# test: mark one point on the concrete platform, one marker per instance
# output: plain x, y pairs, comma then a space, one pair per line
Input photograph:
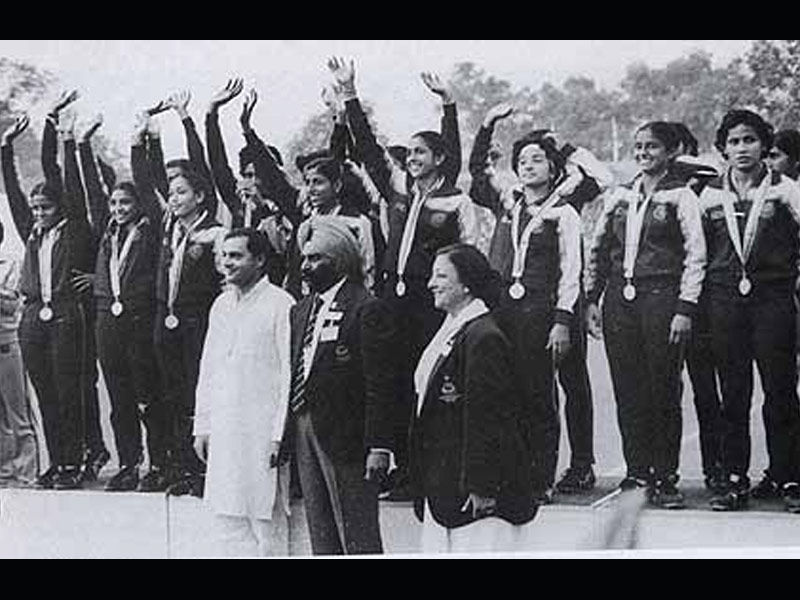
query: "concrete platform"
94, 524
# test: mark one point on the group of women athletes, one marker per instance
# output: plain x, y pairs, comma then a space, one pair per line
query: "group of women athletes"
684, 264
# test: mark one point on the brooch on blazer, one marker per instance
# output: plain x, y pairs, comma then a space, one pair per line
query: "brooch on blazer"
660, 212
342, 353
448, 393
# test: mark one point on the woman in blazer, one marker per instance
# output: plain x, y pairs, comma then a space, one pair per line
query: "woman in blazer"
468, 457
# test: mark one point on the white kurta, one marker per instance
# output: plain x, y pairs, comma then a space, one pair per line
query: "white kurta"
243, 397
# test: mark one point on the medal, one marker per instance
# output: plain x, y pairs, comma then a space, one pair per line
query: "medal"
46, 313
171, 321
116, 308
629, 292
517, 290
400, 288
745, 285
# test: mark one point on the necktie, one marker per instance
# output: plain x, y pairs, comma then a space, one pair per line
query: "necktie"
299, 374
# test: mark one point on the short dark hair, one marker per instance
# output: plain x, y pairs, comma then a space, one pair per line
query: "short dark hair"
179, 163
474, 271
543, 139
435, 142
664, 132
257, 242
247, 155
788, 140
48, 190
686, 138
197, 181
301, 161
128, 187
328, 167
736, 117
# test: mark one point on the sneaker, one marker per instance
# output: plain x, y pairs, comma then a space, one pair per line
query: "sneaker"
45, 480
667, 495
156, 480
791, 497
126, 480
766, 489
735, 496
193, 485
94, 463
631, 483
68, 478
576, 480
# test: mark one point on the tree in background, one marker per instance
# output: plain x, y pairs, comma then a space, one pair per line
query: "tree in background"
775, 69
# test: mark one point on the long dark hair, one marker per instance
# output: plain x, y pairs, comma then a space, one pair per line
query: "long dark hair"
474, 271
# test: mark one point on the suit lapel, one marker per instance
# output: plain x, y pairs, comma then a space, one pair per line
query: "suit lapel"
301, 317
343, 302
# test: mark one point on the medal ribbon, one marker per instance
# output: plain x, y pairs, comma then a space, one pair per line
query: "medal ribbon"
521, 245
116, 261
176, 266
752, 219
633, 229
410, 228
46, 261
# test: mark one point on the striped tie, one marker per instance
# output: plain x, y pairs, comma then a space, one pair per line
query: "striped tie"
299, 374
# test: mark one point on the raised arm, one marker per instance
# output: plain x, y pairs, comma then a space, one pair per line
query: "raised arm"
223, 176
52, 173
98, 200
155, 157
369, 150
482, 190
74, 198
142, 177
194, 145
450, 133
17, 201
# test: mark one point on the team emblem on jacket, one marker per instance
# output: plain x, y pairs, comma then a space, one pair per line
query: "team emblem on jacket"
438, 219
620, 211
194, 251
342, 353
448, 394
717, 213
768, 210
660, 212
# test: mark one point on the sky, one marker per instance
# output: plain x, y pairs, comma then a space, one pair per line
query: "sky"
120, 77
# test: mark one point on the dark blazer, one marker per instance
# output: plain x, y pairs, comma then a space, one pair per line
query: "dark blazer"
466, 437
350, 387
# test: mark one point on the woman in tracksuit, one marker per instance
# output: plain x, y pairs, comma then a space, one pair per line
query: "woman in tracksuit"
422, 218
58, 240
648, 256
751, 215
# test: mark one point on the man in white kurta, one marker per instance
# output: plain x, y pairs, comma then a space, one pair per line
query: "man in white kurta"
242, 401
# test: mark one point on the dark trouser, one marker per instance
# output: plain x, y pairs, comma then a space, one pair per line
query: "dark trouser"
574, 378
178, 353
707, 402
761, 328
128, 361
341, 507
417, 322
645, 372
527, 325
52, 355
91, 400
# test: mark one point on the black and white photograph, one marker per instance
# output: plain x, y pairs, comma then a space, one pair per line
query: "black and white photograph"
399, 299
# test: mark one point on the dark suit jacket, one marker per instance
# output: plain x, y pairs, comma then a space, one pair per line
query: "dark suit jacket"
350, 387
466, 437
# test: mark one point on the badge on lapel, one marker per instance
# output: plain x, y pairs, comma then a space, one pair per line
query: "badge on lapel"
717, 213
194, 251
448, 393
660, 212
341, 353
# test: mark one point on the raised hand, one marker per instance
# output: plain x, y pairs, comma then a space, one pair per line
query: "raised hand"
92, 127
158, 107
64, 100
232, 89
248, 105
179, 102
497, 113
434, 84
19, 125
344, 74
66, 125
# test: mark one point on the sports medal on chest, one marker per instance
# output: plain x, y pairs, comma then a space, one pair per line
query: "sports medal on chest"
517, 290
171, 321
46, 313
116, 308
400, 288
